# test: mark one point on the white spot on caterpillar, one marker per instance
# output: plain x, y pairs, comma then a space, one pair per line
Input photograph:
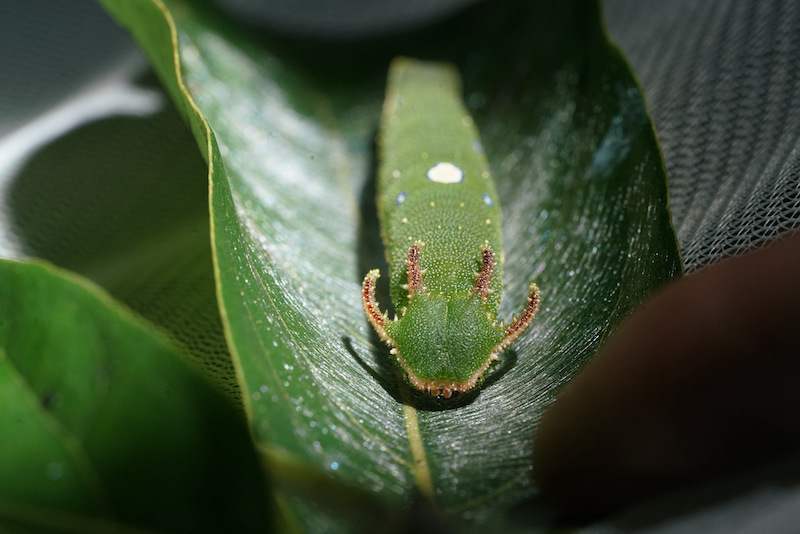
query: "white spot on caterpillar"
395, 173
485, 174
488, 221
445, 173
488, 200
401, 198
466, 120
477, 146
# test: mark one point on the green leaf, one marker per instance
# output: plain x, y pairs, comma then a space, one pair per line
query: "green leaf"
104, 426
294, 230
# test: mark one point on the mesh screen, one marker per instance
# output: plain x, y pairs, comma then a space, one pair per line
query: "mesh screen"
722, 80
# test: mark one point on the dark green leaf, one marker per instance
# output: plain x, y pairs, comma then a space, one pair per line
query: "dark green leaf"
584, 201
103, 423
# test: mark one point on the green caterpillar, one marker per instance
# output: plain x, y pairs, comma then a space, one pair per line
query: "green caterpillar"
440, 222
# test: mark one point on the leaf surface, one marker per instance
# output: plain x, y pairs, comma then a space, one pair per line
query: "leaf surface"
584, 199
104, 426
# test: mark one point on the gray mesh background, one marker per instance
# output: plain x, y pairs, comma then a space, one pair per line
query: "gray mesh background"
722, 80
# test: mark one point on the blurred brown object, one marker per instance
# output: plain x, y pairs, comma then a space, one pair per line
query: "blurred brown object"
703, 380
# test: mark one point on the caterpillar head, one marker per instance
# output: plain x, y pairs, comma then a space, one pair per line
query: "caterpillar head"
445, 344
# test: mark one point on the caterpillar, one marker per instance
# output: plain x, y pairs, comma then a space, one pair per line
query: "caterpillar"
440, 223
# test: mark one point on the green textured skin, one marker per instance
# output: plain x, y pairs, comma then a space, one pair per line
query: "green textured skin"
446, 334
424, 123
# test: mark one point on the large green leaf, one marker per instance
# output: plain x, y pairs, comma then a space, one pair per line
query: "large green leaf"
294, 230
104, 427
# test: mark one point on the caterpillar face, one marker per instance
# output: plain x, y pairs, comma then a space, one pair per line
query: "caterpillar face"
441, 225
